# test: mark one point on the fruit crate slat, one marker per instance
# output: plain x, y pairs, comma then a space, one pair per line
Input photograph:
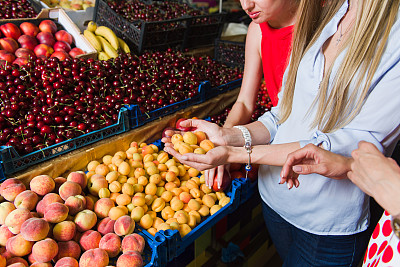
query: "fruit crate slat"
141, 35
138, 118
215, 91
230, 53
175, 245
12, 162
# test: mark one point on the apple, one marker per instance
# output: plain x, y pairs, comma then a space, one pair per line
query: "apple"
48, 26
76, 52
25, 53
60, 54
7, 56
46, 38
226, 181
63, 35
181, 128
27, 41
62, 46
29, 28
20, 61
10, 30
8, 44
43, 50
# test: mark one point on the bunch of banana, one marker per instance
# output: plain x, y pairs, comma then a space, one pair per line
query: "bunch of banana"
104, 40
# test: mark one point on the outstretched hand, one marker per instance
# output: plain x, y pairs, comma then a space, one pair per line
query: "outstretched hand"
313, 159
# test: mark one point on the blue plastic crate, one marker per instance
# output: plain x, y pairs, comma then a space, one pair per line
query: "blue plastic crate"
137, 118
215, 91
174, 245
12, 162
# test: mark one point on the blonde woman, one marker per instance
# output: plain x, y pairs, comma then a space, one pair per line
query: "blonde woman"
342, 86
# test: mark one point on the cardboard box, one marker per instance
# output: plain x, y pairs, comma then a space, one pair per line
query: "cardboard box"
80, 41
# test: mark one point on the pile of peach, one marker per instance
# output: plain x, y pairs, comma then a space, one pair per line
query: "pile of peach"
55, 223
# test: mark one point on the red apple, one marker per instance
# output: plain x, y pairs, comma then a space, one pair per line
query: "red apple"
10, 30
20, 61
27, 41
61, 45
48, 26
7, 56
8, 44
43, 50
46, 38
29, 28
226, 180
61, 55
181, 128
62, 35
25, 53
76, 52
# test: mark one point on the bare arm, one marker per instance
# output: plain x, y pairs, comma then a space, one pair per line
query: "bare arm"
244, 106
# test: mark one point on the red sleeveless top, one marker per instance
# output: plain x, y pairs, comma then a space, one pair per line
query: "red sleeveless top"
275, 53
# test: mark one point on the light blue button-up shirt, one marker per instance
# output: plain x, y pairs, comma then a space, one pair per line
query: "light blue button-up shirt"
322, 205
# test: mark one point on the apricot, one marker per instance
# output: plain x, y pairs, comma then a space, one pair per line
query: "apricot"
115, 187
192, 221
176, 138
167, 213
123, 200
208, 200
224, 201
184, 229
167, 196
200, 136
137, 213
170, 162
196, 215
150, 189
162, 157
204, 210
111, 243
174, 226
160, 190
116, 212
158, 204
190, 138
95, 185
124, 168
215, 208
185, 197
138, 200
128, 189
155, 178
194, 205
177, 204
146, 221
181, 216
185, 148
207, 145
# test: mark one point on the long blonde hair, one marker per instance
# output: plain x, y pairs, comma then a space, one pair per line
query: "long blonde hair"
366, 43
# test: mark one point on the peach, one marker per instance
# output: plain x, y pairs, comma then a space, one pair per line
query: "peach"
90, 240
45, 250
94, 257
64, 231
18, 246
42, 184
17, 264
78, 177
68, 249
35, 229
90, 201
75, 204
9, 44
68, 189
41, 264
133, 242
85, 220
58, 182
130, 258
15, 260
5, 209
56, 212
5, 234
10, 189
111, 243
46, 201
102, 207
16, 218
124, 225
106, 226
67, 262
26, 199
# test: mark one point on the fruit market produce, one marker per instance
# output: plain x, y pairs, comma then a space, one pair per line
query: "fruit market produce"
70, 4
64, 99
29, 41
15, 9
105, 41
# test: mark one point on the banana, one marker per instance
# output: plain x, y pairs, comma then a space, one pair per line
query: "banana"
103, 56
93, 40
110, 51
123, 46
92, 26
109, 35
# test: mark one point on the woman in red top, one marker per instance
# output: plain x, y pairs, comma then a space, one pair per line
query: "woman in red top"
268, 43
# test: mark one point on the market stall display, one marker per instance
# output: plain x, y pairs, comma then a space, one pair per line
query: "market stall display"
18, 9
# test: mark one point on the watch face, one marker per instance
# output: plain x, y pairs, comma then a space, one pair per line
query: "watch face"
396, 226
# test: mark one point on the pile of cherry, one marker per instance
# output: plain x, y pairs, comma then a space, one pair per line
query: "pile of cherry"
14, 9
263, 104
48, 101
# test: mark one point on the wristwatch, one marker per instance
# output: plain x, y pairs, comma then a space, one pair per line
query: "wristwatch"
396, 225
